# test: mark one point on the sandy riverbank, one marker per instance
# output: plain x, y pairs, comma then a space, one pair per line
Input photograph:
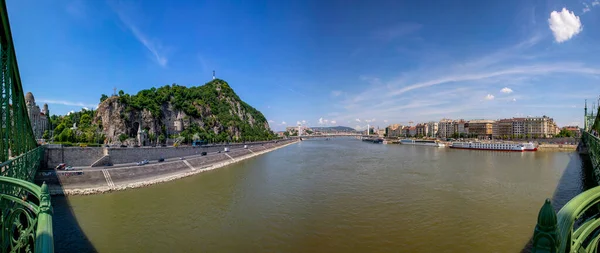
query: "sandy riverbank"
102, 180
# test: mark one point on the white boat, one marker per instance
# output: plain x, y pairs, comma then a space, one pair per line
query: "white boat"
514, 147
422, 143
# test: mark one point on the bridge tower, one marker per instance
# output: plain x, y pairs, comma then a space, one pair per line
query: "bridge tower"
585, 116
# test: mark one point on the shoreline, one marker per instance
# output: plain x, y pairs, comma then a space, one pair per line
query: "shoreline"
143, 182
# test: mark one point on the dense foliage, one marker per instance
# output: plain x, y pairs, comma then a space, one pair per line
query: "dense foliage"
213, 103
84, 131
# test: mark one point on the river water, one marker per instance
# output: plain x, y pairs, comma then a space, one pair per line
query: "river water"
339, 195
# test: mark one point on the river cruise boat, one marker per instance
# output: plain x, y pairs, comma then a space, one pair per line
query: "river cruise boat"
422, 143
514, 147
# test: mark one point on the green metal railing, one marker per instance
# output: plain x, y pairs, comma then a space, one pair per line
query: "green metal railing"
26, 222
557, 232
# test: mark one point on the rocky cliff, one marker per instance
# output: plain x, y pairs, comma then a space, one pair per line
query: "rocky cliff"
212, 112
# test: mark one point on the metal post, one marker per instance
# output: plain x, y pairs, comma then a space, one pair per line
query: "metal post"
545, 237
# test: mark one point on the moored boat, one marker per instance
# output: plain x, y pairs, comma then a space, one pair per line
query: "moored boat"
492, 146
422, 142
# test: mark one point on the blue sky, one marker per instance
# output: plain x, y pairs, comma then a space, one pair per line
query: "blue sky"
321, 62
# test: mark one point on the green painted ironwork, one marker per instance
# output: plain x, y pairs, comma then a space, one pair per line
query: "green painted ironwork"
557, 232
26, 222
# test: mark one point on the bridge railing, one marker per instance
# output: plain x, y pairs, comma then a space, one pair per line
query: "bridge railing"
26, 224
557, 232
24, 166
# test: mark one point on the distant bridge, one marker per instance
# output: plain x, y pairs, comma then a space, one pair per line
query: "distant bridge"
327, 135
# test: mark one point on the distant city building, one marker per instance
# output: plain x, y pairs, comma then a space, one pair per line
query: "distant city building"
381, 132
432, 129
539, 127
446, 128
412, 131
503, 128
394, 130
460, 127
39, 119
483, 129
575, 130
422, 129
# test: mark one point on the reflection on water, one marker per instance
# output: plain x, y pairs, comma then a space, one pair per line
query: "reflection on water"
341, 195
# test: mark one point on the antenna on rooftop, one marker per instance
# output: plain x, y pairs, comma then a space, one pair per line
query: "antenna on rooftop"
214, 75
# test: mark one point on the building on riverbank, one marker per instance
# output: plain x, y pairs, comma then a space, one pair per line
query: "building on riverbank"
38, 118
483, 129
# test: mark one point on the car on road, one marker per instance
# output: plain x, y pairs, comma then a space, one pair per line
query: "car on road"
161, 160
181, 158
203, 153
61, 166
69, 168
142, 162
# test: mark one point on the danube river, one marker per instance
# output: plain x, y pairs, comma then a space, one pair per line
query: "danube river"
338, 195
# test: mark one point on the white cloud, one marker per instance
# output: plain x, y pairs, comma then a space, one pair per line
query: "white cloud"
336, 93
506, 90
489, 97
357, 127
85, 109
283, 123
385, 121
298, 123
153, 46
68, 103
303, 121
320, 121
69, 113
333, 122
357, 120
564, 25
594, 3
514, 100
271, 121
586, 8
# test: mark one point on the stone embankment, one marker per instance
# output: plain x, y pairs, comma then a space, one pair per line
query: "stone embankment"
557, 147
93, 180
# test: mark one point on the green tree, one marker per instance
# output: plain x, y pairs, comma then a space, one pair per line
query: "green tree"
123, 137
103, 97
46, 135
85, 121
121, 93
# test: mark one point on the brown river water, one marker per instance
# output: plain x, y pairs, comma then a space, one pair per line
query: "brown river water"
338, 195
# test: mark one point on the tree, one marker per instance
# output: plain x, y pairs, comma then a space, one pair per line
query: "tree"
103, 97
123, 137
85, 121
46, 135
121, 93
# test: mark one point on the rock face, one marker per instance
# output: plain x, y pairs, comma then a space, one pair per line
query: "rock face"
212, 112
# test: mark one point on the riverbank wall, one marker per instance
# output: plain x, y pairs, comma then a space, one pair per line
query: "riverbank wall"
557, 147
101, 156
94, 180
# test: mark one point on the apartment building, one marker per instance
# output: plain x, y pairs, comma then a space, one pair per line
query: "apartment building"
460, 127
422, 129
446, 128
503, 128
481, 128
539, 127
394, 130
432, 128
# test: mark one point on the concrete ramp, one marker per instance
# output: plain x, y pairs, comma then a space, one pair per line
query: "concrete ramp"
104, 160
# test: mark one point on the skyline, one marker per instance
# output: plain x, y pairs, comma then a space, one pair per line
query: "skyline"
321, 63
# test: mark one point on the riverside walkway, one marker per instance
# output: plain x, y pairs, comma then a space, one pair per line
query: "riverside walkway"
26, 224
576, 226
